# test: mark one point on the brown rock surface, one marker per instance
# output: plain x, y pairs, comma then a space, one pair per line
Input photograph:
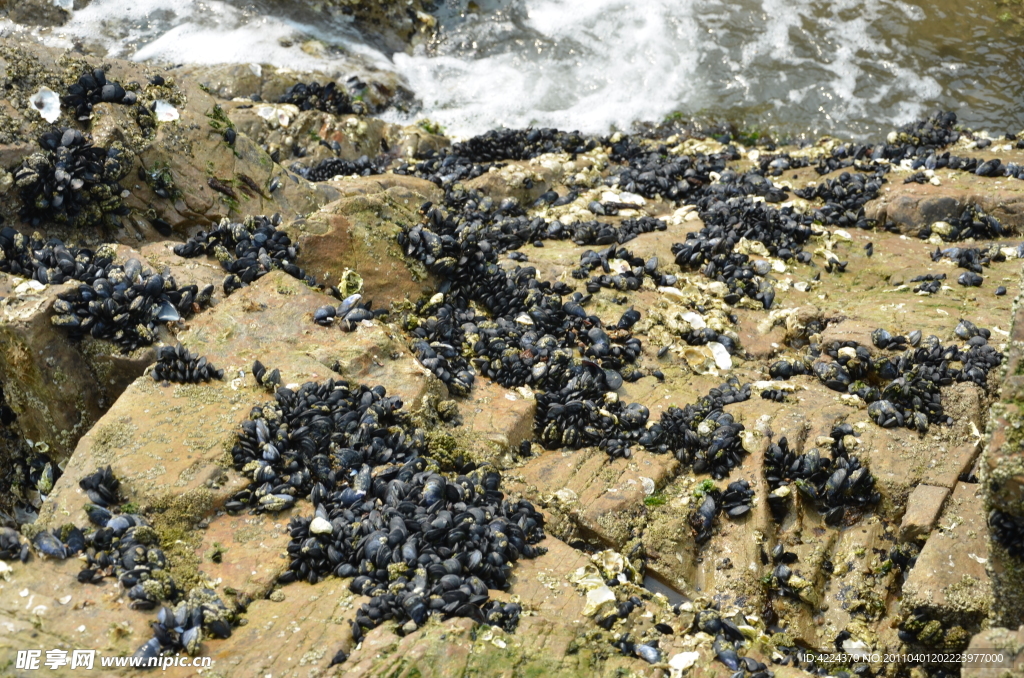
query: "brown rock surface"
924, 204
357, 232
1005, 644
949, 580
38, 361
170, 444
923, 507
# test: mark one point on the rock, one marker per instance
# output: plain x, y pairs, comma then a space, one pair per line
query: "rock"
923, 507
854, 590
157, 459
43, 607
291, 133
499, 419
379, 88
949, 582
38, 361
36, 12
912, 207
1007, 644
179, 158
358, 233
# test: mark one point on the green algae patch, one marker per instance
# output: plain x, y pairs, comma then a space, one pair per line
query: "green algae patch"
174, 520
112, 437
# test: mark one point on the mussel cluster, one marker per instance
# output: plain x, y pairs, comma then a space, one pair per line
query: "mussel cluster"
711, 250
845, 197
121, 303
703, 433
522, 144
833, 485
12, 547
774, 164
471, 158
179, 365
1008, 531
971, 258
312, 440
27, 473
648, 651
600, 233
972, 223
73, 182
586, 411
529, 322
729, 638
418, 544
93, 88
182, 628
535, 338
334, 167
654, 172
900, 390
48, 262
930, 283
628, 274
247, 250
347, 315
329, 98
117, 545
734, 501
124, 546
622, 609
784, 580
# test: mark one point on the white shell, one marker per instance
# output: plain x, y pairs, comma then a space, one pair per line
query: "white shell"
596, 598
320, 526
165, 112
648, 484
695, 319
722, 358
47, 102
857, 648
682, 661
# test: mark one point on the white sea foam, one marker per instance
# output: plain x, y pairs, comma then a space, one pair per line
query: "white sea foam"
827, 66
606, 64
204, 32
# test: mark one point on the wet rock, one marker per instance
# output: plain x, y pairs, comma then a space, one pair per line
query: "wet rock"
998, 641
949, 582
1003, 479
923, 507
39, 12
357, 233
143, 424
395, 25
378, 88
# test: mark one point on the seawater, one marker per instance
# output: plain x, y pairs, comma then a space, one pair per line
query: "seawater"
844, 67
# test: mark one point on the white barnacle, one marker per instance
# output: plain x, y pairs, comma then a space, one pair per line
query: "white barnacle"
47, 102
165, 111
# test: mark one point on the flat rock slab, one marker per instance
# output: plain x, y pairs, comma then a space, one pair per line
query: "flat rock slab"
598, 495
357, 233
38, 360
42, 606
143, 437
302, 626
923, 507
949, 580
996, 640
913, 206
498, 418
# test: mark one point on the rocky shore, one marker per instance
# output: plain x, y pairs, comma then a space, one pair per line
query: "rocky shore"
595, 343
